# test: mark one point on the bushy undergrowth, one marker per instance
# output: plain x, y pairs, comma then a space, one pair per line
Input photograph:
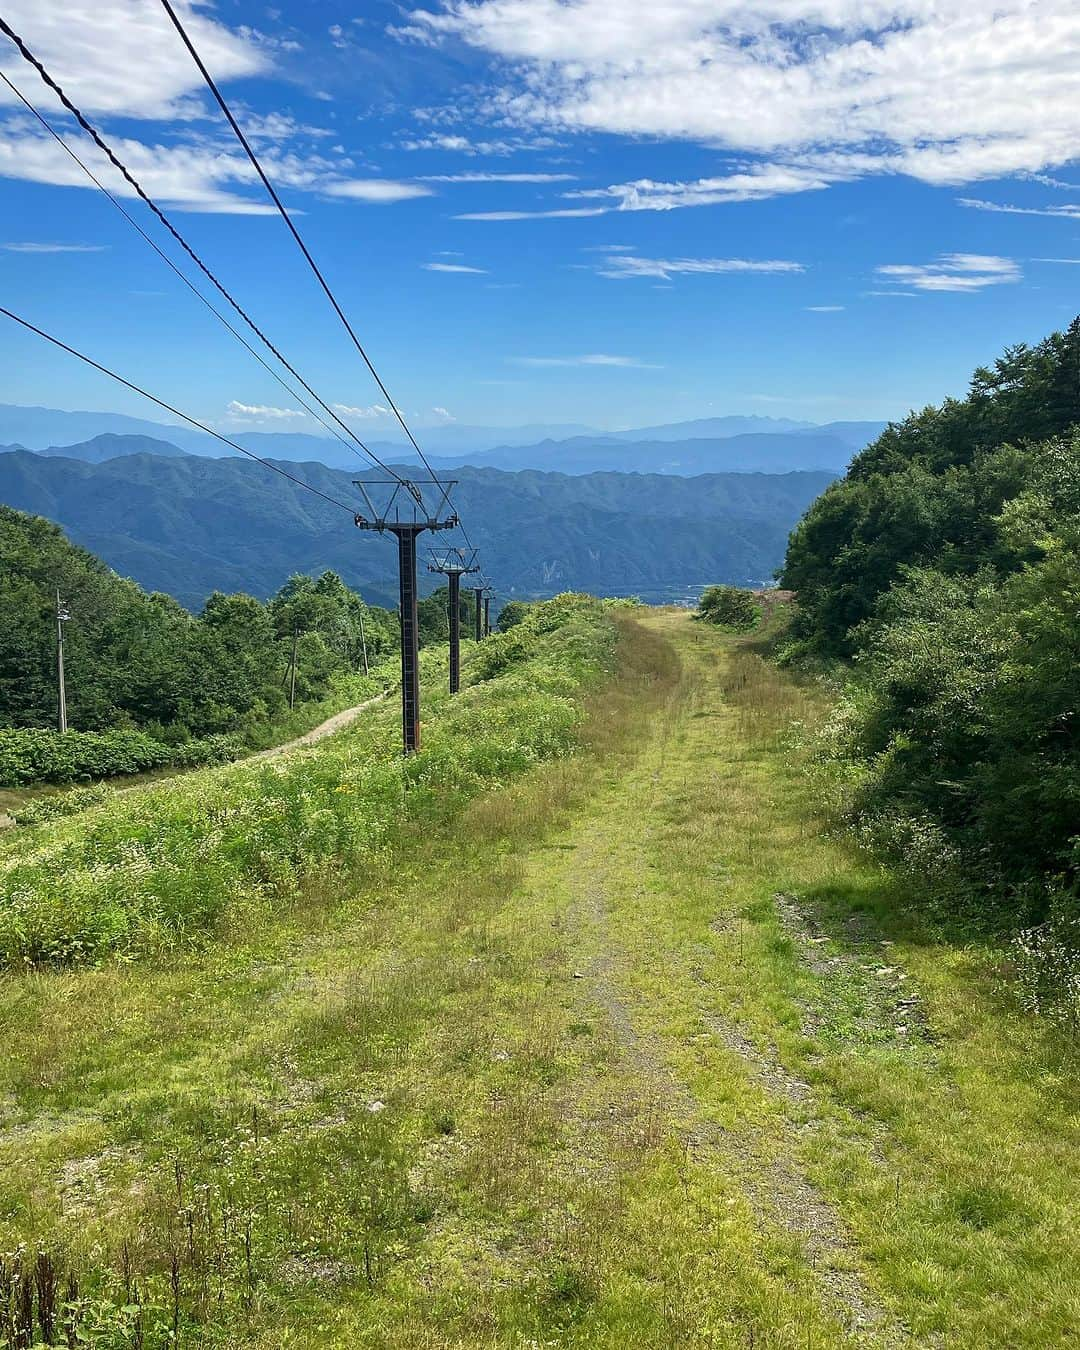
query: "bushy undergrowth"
33, 755
161, 868
945, 564
60, 804
729, 607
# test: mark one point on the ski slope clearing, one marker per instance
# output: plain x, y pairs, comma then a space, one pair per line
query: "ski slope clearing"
624, 1049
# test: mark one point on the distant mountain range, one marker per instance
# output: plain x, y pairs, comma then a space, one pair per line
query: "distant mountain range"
826, 448
708, 445
188, 525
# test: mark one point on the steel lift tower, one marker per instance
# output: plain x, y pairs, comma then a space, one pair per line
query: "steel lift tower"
454, 564
405, 525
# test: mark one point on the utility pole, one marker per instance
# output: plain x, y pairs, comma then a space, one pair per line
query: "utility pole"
405, 531
487, 615
478, 591
292, 672
62, 616
363, 643
454, 565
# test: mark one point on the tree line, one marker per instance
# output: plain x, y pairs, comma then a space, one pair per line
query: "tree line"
138, 661
946, 565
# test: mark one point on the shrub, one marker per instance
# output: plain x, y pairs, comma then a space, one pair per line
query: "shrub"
32, 755
61, 804
729, 607
512, 613
1047, 960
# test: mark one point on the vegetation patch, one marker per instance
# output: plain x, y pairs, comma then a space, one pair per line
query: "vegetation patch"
163, 867
151, 686
946, 563
729, 607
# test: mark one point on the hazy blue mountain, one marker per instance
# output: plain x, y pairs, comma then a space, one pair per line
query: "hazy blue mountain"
785, 452
567, 448
188, 525
854, 434
110, 445
713, 427
41, 428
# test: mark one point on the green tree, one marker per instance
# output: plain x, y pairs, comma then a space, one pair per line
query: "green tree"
729, 607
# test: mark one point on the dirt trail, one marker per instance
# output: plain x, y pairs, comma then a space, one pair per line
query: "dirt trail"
605, 872
332, 724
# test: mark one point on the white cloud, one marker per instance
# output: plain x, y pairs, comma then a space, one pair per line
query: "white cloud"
123, 56
370, 413
1060, 212
598, 359
463, 145
261, 412
496, 177
1046, 181
196, 177
380, 191
755, 183
54, 248
453, 267
623, 265
566, 214
954, 272
825, 309
948, 91
443, 414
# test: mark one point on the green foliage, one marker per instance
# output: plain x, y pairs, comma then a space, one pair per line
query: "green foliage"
31, 756
143, 671
512, 613
929, 489
948, 564
729, 607
59, 804
159, 868
433, 615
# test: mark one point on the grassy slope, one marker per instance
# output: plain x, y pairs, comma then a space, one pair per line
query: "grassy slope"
571, 1075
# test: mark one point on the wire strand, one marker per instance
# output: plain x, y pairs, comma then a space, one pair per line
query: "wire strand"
222, 319
137, 187
212, 86
192, 421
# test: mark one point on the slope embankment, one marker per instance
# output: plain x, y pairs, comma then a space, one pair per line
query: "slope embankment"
619, 1047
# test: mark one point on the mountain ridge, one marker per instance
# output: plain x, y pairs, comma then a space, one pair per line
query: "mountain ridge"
188, 525
52, 431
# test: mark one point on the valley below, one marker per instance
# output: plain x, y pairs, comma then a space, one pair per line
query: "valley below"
190, 525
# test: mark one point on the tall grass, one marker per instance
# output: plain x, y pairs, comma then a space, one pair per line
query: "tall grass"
165, 867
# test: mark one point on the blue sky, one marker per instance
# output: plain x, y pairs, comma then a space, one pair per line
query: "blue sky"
609, 212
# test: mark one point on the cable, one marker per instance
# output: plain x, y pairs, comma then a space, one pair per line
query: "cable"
293, 230
137, 187
170, 264
192, 421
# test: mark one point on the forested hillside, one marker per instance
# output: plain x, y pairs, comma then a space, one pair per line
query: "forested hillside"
191, 525
139, 661
947, 564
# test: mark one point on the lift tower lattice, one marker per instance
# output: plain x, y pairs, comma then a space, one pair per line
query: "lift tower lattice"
418, 516
454, 564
